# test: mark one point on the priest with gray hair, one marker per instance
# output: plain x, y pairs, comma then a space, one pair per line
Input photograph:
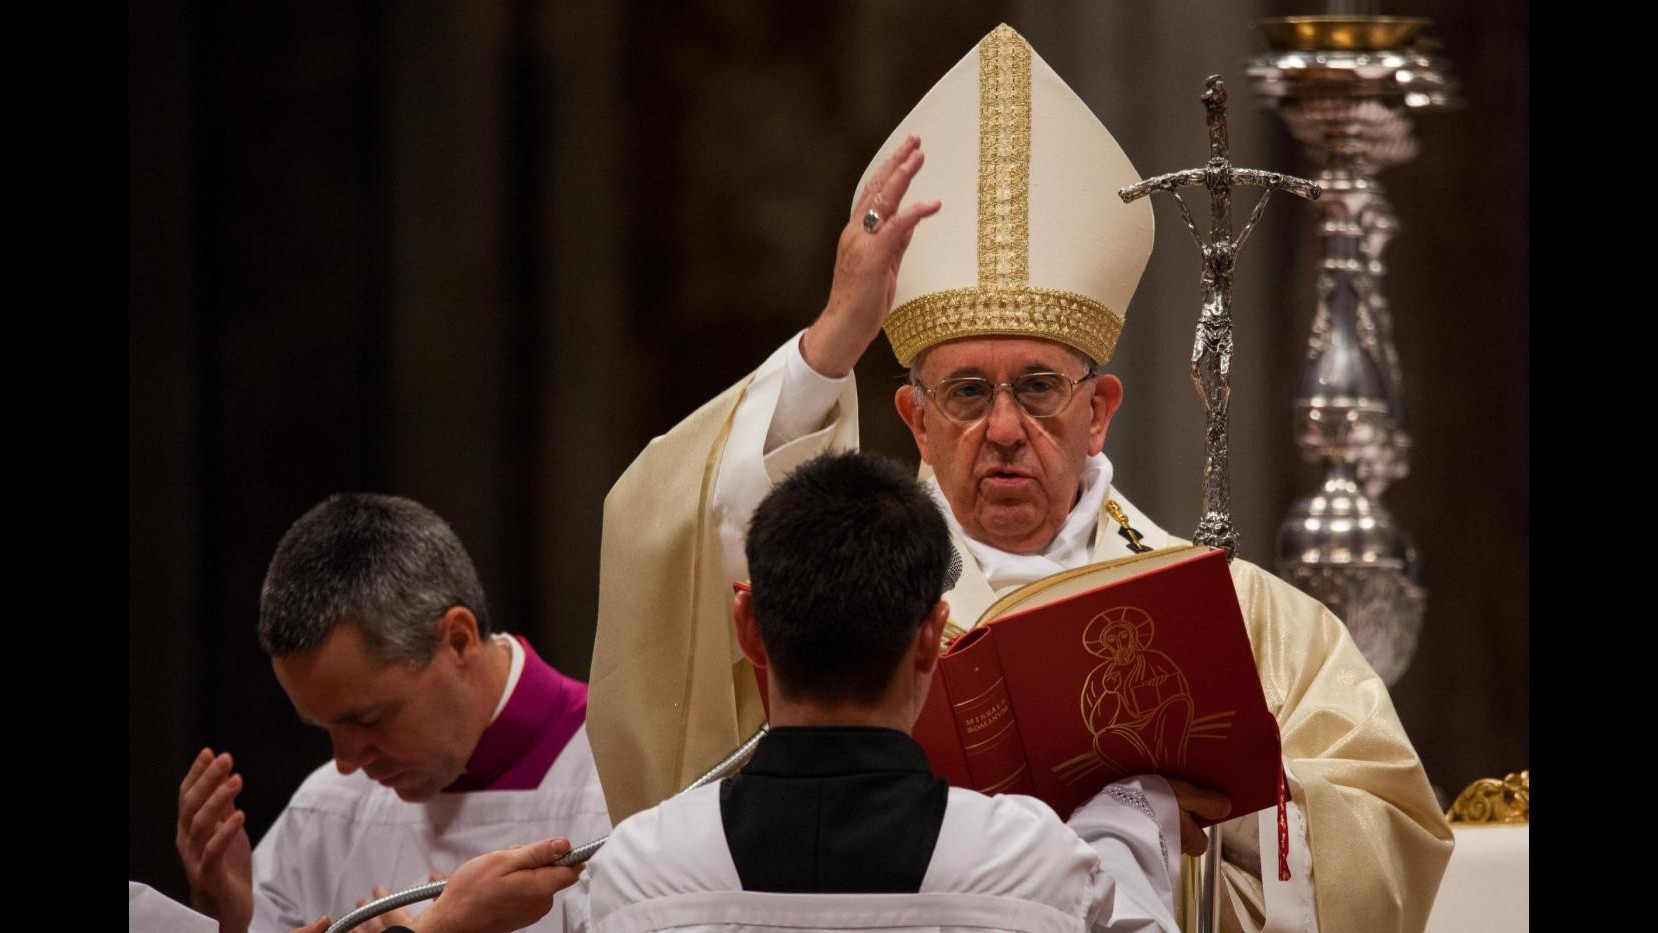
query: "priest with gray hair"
450, 739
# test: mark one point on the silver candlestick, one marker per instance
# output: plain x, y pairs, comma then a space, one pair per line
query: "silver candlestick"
1344, 86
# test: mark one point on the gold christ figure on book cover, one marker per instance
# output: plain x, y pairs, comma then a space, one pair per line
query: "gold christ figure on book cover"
1137, 704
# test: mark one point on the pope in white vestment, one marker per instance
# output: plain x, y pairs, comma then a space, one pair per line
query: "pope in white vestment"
1049, 263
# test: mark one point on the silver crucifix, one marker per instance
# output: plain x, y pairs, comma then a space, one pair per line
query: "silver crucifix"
1212, 351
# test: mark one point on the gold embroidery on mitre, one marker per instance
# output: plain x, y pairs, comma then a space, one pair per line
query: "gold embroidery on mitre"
1052, 314
1004, 302
1004, 159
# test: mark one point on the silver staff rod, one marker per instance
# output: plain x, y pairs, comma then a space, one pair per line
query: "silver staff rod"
422, 892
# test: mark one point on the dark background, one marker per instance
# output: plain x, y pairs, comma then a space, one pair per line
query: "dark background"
478, 254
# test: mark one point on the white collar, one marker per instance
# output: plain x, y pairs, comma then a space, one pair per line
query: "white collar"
513, 671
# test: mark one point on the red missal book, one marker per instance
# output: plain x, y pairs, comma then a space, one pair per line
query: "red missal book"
1125, 667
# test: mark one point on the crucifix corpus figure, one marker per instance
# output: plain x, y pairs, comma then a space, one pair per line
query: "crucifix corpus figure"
1212, 350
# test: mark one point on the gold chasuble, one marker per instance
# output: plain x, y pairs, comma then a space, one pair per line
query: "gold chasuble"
670, 694
678, 694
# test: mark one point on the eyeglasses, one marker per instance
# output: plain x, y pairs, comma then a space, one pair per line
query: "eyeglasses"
966, 399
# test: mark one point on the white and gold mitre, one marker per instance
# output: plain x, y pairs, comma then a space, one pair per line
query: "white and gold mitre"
1033, 240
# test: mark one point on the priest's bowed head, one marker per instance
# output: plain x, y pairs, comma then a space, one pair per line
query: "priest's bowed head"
378, 630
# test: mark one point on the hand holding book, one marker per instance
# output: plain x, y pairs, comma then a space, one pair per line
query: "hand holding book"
1197, 803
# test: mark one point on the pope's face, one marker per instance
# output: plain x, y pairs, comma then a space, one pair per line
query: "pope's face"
406, 728
1010, 479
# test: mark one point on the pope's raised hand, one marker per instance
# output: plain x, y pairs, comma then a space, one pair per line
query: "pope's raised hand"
866, 264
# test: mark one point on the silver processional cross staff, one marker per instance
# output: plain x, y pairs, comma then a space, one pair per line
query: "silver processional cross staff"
1211, 369
1212, 350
